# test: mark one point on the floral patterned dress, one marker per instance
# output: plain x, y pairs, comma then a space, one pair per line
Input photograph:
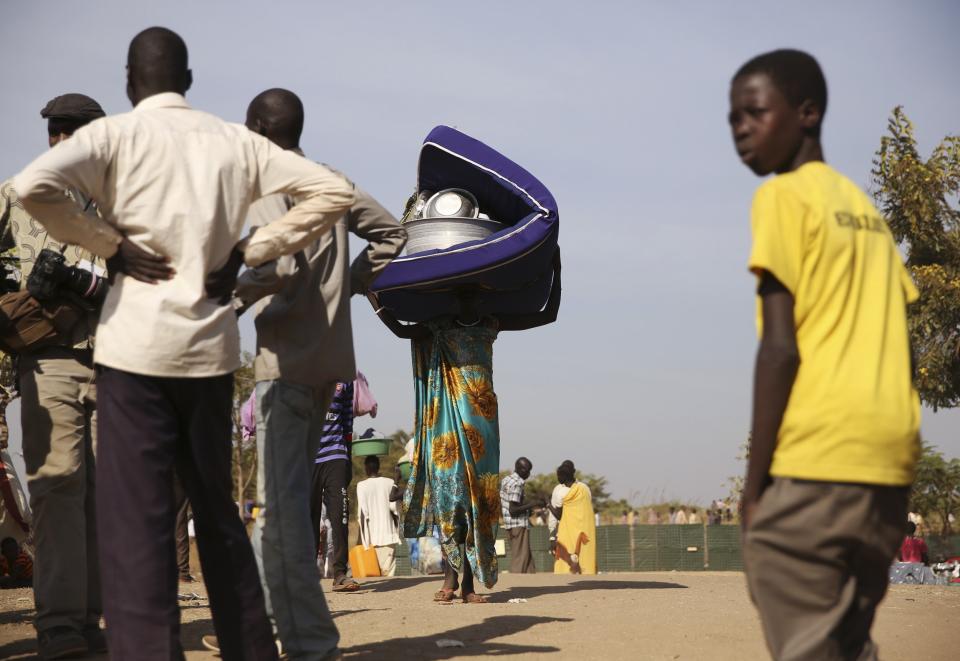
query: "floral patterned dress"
454, 478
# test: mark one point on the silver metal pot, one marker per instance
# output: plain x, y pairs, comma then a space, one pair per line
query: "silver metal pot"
451, 203
440, 233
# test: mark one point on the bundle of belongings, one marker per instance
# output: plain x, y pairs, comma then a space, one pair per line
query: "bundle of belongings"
949, 569
917, 573
477, 220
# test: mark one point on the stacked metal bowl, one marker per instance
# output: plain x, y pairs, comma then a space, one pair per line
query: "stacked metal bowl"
446, 218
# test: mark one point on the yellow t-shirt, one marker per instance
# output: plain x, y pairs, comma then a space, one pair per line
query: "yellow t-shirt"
853, 415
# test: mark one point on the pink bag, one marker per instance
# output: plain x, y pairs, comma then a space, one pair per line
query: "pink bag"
248, 418
363, 400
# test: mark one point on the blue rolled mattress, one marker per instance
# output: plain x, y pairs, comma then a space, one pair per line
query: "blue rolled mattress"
512, 267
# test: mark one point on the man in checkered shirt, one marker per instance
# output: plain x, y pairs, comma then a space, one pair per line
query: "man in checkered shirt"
516, 517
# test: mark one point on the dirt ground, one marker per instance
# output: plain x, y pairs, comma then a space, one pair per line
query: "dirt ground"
674, 615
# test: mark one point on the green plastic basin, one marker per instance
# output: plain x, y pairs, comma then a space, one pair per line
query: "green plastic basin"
371, 446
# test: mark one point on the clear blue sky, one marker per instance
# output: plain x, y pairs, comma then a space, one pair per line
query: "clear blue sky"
618, 108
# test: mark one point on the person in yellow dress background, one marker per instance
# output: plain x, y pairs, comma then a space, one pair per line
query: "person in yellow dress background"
576, 551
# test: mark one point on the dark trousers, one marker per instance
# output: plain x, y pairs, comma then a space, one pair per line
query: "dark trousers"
182, 505
149, 427
329, 487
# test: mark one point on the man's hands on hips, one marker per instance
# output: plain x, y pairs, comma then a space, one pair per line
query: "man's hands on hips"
139, 264
221, 283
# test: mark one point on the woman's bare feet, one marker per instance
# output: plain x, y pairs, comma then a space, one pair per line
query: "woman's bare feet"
444, 595
451, 584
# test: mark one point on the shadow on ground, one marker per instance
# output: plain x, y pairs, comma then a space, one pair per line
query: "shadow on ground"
392, 583
192, 632
475, 637
20, 650
529, 592
17, 617
26, 650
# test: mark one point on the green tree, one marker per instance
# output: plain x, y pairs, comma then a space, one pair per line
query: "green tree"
244, 452
918, 199
537, 486
736, 482
936, 489
599, 490
541, 486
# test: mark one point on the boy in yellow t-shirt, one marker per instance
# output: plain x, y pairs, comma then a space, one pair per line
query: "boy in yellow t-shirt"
836, 418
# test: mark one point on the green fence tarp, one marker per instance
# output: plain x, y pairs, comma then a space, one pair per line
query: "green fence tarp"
943, 547
723, 547
655, 548
661, 548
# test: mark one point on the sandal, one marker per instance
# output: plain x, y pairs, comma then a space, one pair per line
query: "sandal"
344, 584
444, 595
474, 598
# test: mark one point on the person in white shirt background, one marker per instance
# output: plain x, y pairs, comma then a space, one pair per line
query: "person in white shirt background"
556, 502
377, 515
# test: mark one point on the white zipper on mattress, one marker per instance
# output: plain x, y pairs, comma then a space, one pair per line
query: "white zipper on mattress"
546, 212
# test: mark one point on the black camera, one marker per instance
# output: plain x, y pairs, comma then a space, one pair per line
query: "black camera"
9, 274
51, 277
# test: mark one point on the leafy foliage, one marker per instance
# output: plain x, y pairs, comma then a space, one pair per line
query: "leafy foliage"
936, 490
736, 482
244, 453
918, 199
541, 486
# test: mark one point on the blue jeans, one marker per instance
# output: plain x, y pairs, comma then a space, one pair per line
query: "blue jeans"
289, 421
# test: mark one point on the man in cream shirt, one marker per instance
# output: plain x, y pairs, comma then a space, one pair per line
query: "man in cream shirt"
174, 185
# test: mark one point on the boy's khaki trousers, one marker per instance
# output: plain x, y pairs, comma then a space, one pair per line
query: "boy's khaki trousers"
817, 558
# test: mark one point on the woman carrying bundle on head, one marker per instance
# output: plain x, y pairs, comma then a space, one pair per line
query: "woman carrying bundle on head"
456, 460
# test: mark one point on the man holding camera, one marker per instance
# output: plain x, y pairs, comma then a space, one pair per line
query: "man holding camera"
58, 410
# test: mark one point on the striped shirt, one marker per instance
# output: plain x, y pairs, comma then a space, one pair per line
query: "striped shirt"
338, 427
511, 491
